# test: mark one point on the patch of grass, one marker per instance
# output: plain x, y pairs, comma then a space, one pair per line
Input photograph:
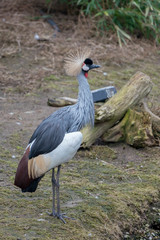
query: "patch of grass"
16, 89
51, 78
31, 94
4, 153
60, 84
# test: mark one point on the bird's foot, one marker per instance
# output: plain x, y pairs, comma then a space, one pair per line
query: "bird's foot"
61, 216
54, 214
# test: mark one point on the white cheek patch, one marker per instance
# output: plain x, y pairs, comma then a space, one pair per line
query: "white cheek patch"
85, 68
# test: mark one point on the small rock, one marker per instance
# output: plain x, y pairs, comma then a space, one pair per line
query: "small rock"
36, 36
29, 112
126, 235
41, 220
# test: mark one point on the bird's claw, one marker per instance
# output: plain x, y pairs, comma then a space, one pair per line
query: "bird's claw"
61, 216
54, 214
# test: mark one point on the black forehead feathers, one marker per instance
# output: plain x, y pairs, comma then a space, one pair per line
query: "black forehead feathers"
88, 61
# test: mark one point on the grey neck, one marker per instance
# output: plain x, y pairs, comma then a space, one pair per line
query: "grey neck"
84, 88
85, 100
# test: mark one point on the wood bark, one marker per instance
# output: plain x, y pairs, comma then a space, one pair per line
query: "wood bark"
135, 129
110, 113
155, 118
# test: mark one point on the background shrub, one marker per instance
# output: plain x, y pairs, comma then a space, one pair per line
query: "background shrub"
138, 17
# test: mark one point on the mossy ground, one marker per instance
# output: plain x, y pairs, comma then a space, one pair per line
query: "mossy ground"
106, 194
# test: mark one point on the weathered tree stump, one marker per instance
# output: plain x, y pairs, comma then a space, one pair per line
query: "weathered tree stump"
135, 129
155, 121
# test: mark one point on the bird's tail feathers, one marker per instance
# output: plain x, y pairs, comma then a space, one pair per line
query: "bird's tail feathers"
22, 179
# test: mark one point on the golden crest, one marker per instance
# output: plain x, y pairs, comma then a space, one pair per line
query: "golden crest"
74, 61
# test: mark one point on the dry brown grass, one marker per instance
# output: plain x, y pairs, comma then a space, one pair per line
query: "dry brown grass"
18, 29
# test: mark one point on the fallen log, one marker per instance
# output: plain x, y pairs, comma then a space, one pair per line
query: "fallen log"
61, 101
110, 113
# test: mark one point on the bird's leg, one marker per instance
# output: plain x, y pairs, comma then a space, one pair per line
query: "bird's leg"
55, 186
53, 192
59, 215
57, 190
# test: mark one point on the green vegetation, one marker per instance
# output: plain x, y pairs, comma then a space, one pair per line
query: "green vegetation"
139, 17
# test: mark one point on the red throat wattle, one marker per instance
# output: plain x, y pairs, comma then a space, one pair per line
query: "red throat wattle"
86, 74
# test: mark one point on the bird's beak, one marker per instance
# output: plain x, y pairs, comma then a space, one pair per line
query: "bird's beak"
94, 66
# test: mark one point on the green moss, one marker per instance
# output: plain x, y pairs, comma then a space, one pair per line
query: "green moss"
98, 151
4, 153
51, 78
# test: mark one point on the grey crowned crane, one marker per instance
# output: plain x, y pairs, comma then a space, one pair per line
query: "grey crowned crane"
58, 137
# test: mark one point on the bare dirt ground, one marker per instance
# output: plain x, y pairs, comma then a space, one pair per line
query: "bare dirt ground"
112, 191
